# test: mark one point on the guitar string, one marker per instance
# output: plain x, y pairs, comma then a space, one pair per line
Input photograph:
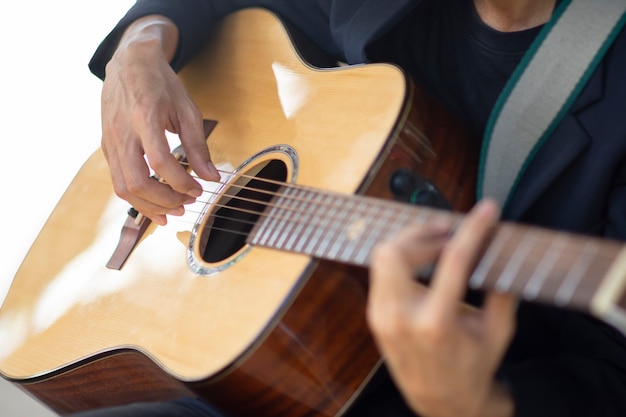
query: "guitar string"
338, 201
290, 216
286, 211
276, 182
315, 191
310, 218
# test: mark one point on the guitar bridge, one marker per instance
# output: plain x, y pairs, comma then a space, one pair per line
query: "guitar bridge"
136, 224
133, 229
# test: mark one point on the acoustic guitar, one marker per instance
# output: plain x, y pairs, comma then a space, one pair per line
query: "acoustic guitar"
254, 300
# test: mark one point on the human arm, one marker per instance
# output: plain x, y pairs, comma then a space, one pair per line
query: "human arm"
442, 357
341, 29
142, 98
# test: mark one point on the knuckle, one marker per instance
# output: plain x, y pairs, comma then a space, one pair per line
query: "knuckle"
140, 115
105, 149
115, 126
383, 253
158, 161
461, 254
386, 321
135, 186
121, 191
194, 111
430, 330
374, 318
198, 149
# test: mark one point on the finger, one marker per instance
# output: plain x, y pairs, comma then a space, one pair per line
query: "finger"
458, 259
393, 266
420, 244
194, 141
499, 318
149, 197
165, 165
154, 212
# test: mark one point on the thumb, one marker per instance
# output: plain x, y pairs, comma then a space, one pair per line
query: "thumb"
193, 136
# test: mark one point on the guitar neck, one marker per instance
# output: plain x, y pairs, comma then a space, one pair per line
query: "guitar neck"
536, 264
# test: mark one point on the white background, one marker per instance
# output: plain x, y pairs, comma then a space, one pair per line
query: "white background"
49, 120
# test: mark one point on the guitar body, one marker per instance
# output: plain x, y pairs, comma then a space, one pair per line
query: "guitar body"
268, 332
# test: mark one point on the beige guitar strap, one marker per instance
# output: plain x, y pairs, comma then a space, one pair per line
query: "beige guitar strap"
543, 88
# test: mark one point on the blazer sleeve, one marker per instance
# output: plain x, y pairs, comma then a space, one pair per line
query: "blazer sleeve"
341, 28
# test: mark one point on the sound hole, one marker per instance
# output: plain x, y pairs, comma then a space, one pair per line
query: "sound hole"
240, 208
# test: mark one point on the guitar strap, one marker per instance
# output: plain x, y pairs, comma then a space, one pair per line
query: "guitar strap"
542, 89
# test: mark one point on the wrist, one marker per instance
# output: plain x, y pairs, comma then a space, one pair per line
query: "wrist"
153, 34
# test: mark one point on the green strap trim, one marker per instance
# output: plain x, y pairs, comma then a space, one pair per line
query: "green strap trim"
543, 88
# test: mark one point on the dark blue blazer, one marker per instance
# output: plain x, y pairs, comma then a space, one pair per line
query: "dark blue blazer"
560, 363
589, 143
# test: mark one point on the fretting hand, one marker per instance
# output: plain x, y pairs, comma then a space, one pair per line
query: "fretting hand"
442, 356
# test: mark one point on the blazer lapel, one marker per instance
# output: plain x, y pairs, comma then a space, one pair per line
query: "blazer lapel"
366, 21
566, 143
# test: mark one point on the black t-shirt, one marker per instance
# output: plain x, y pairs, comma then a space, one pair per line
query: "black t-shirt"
445, 46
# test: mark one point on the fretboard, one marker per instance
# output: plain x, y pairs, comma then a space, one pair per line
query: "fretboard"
536, 264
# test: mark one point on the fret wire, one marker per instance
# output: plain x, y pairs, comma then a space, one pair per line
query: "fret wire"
271, 228
338, 230
285, 186
355, 217
542, 271
263, 215
290, 214
284, 219
365, 229
294, 203
303, 240
407, 215
374, 235
330, 225
574, 276
284, 216
295, 238
479, 276
402, 219
395, 226
246, 187
319, 230
270, 193
420, 218
514, 264
422, 215
285, 210
360, 248
339, 242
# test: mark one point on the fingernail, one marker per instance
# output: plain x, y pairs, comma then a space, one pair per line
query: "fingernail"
177, 211
193, 193
487, 206
214, 172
